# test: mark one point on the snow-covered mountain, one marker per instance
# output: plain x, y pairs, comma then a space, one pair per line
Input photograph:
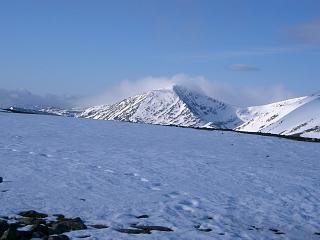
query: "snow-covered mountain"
180, 106
298, 116
176, 105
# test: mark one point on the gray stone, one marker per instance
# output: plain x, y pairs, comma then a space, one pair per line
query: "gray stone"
58, 237
98, 226
3, 226
10, 234
30, 221
133, 231
67, 225
33, 214
152, 228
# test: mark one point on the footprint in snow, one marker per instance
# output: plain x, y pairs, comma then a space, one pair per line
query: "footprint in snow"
45, 155
202, 229
173, 195
144, 180
186, 208
190, 203
253, 227
156, 187
132, 174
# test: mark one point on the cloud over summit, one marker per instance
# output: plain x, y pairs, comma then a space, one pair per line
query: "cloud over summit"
236, 95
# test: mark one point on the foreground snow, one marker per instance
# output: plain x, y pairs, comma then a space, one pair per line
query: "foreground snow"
109, 172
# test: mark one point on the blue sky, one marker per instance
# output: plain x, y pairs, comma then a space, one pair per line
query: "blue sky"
86, 47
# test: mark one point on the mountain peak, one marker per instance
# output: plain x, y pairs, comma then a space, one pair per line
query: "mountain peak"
175, 105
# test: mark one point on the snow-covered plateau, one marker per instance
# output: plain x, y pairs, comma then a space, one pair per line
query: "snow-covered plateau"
181, 106
200, 184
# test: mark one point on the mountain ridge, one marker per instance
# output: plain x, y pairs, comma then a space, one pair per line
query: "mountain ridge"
180, 106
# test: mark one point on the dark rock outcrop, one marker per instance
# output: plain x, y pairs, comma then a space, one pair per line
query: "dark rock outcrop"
33, 214
67, 225
58, 237
98, 226
3, 226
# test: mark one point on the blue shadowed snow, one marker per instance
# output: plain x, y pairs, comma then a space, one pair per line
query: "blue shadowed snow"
181, 178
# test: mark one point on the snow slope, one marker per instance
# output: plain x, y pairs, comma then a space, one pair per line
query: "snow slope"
300, 116
182, 107
176, 105
109, 172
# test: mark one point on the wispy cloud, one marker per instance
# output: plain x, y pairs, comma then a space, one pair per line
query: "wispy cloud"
241, 53
241, 96
242, 67
307, 32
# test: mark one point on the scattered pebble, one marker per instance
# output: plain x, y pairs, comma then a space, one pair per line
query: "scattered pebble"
152, 228
142, 216
276, 231
98, 226
84, 236
33, 224
133, 231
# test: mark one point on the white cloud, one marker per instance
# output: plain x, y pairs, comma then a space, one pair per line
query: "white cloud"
242, 67
308, 32
241, 96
